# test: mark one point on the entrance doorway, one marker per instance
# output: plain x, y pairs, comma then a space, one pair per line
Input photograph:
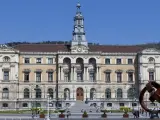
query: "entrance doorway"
79, 94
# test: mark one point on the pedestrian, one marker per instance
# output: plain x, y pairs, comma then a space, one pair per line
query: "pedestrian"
68, 114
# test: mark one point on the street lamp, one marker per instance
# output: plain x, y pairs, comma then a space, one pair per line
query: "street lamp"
48, 96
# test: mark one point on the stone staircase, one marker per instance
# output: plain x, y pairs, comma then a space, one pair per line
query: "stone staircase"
79, 105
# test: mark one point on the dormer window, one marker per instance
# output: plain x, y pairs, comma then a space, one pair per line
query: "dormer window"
6, 59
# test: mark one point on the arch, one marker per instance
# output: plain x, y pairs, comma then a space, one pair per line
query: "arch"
50, 92
131, 93
119, 93
151, 60
80, 94
108, 93
92, 61
6, 59
66, 94
67, 68
5, 93
26, 93
92, 93
38, 93
80, 69
79, 61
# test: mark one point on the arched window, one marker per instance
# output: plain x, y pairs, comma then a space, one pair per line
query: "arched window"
50, 92
6, 59
119, 93
66, 94
131, 93
38, 93
108, 93
5, 93
26, 93
92, 93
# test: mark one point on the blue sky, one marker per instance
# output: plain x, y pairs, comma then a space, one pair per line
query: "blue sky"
106, 21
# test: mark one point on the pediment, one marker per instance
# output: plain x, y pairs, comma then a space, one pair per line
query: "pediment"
150, 51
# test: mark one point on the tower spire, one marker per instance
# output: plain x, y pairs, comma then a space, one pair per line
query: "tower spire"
79, 37
78, 7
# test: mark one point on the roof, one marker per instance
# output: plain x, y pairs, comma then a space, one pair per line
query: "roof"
66, 48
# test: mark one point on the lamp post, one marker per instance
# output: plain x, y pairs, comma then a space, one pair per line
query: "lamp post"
36, 90
48, 107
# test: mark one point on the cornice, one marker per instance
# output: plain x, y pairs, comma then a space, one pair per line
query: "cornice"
119, 54
38, 53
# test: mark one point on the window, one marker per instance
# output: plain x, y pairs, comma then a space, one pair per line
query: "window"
108, 93
6, 75
38, 93
134, 104
109, 104
119, 77
66, 77
107, 61
151, 75
131, 93
79, 22
50, 60
25, 105
38, 76
50, 92
6, 59
50, 76
91, 77
130, 61
26, 77
118, 61
79, 37
5, 93
121, 104
38, 60
130, 77
5, 105
26, 60
119, 93
26, 93
107, 76
79, 77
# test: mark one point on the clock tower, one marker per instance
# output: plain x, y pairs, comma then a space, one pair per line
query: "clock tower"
79, 42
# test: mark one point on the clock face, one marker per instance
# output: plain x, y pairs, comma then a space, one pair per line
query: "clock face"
79, 49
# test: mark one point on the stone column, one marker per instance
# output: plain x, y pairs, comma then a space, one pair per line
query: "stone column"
71, 77
97, 74
59, 73
100, 77
75, 74
87, 74
84, 73
62, 74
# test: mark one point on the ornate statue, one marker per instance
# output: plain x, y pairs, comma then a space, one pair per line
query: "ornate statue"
154, 90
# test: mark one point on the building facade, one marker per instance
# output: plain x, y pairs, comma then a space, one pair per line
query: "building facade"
109, 76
